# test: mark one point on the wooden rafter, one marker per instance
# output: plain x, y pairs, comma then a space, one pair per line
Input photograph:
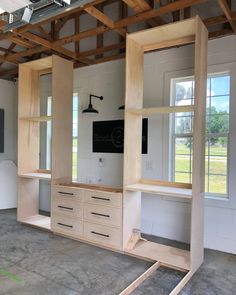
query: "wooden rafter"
49, 45
227, 11
104, 19
141, 6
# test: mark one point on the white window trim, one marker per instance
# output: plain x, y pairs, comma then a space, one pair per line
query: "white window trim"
211, 201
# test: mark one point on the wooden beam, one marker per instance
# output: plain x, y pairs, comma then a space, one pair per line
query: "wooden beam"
141, 6
8, 51
102, 50
28, 52
17, 40
141, 279
77, 30
227, 11
62, 15
82, 35
181, 4
38, 40
100, 36
104, 19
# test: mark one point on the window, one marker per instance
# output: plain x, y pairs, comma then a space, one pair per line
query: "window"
75, 137
217, 132
74, 133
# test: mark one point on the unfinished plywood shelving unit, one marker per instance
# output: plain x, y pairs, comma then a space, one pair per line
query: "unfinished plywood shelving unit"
29, 120
137, 44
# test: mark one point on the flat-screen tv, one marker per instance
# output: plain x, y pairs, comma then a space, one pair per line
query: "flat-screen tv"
1, 131
108, 136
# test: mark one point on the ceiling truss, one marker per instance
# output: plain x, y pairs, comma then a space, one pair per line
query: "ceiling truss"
35, 41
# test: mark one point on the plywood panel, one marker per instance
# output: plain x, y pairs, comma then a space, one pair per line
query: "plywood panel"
62, 95
198, 175
165, 33
28, 132
40, 64
27, 201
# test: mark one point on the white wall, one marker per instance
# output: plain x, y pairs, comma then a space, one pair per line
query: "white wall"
8, 102
162, 217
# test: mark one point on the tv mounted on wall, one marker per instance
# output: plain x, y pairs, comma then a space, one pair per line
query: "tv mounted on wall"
108, 136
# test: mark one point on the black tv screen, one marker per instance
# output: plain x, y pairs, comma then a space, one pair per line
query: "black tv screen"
108, 136
1, 131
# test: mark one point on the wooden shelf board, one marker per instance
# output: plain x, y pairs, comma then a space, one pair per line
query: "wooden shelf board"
162, 34
167, 255
162, 110
40, 221
36, 175
94, 187
37, 119
182, 193
40, 64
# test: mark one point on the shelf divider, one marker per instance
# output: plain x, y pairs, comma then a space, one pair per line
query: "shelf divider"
162, 110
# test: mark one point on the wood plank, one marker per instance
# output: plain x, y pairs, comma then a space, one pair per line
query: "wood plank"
37, 119
161, 110
198, 162
226, 9
142, 5
40, 221
166, 183
104, 19
49, 45
36, 175
165, 33
62, 91
143, 16
166, 255
141, 279
181, 193
182, 283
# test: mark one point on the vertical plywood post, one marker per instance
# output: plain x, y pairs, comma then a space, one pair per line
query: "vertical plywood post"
28, 142
62, 97
198, 173
133, 137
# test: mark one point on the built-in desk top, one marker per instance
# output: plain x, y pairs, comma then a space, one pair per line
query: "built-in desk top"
94, 187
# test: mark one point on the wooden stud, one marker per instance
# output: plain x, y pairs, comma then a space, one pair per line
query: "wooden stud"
141, 279
226, 9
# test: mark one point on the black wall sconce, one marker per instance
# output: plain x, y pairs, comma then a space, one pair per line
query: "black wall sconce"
121, 108
90, 109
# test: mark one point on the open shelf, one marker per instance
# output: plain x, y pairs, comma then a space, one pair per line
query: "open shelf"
162, 110
167, 255
36, 175
37, 119
40, 221
183, 193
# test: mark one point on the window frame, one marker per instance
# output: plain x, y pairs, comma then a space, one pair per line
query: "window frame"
48, 146
210, 201
175, 135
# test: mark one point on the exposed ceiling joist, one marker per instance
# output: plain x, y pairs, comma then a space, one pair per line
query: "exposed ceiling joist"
227, 11
104, 19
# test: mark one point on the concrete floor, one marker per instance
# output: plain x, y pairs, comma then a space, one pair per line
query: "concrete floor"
45, 264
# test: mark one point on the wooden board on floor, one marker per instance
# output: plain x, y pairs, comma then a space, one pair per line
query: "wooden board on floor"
165, 254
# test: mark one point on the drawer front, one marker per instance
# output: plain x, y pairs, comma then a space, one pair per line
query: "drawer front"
103, 235
103, 214
66, 225
67, 192
68, 206
103, 198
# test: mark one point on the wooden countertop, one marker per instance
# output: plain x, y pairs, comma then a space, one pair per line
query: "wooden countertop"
104, 188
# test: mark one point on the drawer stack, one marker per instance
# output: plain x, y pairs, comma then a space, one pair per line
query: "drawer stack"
91, 215
67, 211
